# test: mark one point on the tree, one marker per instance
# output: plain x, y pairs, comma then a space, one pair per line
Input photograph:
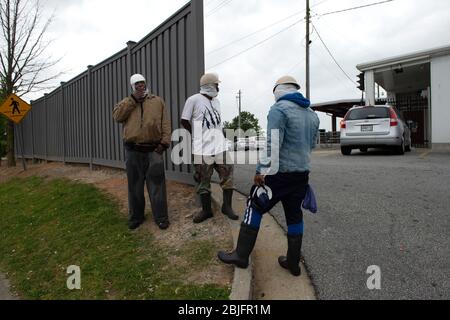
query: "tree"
23, 66
248, 122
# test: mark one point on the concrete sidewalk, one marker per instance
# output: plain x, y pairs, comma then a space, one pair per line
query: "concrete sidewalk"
5, 293
265, 279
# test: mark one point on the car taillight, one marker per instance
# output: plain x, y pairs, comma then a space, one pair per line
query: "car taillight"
394, 118
343, 125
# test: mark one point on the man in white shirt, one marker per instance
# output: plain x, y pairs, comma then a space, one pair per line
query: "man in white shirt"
202, 118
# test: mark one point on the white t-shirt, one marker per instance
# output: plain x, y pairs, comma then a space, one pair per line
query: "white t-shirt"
206, 121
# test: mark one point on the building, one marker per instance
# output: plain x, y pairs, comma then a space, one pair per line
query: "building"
418, 84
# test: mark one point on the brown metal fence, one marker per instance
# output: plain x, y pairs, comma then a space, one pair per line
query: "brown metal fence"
74, 123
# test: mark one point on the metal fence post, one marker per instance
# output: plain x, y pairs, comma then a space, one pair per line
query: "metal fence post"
130, 68
46, 126
199, 42
32, 133
91, 116
63, 107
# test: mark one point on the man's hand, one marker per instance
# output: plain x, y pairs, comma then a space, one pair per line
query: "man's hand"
160, 149
259, 180
139, 94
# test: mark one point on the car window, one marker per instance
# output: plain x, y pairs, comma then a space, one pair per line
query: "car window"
368, 113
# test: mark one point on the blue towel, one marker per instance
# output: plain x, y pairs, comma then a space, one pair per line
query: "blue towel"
310, 203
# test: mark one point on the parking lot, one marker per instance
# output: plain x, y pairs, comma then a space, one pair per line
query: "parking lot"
376, 209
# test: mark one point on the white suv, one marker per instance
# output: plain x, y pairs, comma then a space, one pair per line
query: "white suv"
374, 127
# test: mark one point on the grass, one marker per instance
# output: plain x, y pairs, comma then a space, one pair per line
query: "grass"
200, 253
47, 226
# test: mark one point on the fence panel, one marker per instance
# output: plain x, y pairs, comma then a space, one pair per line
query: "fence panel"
74, 123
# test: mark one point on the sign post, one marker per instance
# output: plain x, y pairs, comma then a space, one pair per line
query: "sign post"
15, 109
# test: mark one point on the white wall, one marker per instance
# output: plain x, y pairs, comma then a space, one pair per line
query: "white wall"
440, 99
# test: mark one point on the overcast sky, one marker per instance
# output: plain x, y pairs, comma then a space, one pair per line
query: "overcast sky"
88, 31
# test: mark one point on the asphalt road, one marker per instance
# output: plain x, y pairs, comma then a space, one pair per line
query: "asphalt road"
376, 209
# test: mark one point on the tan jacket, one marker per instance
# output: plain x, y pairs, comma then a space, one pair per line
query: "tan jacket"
144, 123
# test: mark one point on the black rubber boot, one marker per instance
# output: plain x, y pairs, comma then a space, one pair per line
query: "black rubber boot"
292, 261
245, 245
206, 212
227, 205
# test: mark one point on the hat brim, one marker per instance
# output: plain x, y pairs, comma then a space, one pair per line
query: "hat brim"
294, 84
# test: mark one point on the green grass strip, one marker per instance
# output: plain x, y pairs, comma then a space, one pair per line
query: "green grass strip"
46, 226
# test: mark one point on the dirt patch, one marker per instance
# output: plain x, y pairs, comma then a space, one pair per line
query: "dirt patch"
178, 240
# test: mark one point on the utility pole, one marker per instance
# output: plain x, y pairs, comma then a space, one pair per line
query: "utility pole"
239, 96
308, 17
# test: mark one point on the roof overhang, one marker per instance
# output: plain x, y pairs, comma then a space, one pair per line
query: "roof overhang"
407, 60
336, 108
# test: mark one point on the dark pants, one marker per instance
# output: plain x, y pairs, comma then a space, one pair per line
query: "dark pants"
146, 168
290, 189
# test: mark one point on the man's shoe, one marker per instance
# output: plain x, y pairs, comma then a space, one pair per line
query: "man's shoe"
206, 212
227, 205
134, 225
164, 225
291, 262
202, 216
246, 242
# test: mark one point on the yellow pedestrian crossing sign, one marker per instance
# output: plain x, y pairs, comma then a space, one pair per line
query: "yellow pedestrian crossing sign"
15, 108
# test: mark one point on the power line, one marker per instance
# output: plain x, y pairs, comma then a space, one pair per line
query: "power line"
208, 3
258, 44
220, 6
225, 2
262, 29
353, 8
334, 59
318, 4
255, 32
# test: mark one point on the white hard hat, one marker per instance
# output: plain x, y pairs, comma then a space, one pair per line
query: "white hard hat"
137, 78
286, 80
209, 78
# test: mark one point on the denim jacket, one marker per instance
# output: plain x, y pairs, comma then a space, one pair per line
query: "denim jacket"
298, 127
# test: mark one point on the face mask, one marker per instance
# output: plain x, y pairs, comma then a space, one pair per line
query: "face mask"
146, 90
210, 90
284, 89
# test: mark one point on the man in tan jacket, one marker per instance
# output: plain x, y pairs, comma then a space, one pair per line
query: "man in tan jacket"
146, 135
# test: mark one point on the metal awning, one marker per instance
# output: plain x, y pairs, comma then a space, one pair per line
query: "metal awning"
338, 108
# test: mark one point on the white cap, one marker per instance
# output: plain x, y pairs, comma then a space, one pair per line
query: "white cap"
136, 78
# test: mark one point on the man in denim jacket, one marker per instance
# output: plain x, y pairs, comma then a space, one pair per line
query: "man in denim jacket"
292, 133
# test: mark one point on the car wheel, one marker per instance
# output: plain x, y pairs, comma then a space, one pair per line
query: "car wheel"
346, 151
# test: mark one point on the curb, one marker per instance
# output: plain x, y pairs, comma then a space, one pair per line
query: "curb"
242, 288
